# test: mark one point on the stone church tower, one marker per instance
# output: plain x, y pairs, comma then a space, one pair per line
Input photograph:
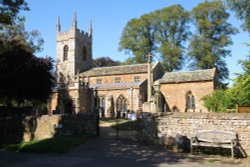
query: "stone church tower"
73, 55
73, 52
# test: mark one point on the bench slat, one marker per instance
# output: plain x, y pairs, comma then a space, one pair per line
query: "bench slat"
212, 145
216, 136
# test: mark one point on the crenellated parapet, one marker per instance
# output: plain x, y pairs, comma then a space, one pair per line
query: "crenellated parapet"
83, 35
73, 32
73, 51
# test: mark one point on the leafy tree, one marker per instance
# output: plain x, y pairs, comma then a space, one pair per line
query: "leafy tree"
9, 10
241, 8
138, 38
24, 77
209, 45
104, 62
17, 32
162, 32
218, 101
240, 92
171, 33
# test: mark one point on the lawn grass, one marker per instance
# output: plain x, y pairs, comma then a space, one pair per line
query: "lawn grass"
125, 125
122, 124
107, 120
111, 120
58, 144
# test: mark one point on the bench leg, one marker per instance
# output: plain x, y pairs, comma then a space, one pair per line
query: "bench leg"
191, 148
232, 152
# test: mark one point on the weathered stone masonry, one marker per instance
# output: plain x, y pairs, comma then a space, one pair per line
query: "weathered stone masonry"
42, 127
158, 128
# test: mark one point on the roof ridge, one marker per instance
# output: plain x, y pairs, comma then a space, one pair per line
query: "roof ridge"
120, 66
189, 71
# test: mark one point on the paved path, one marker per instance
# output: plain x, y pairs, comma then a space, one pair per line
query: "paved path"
115, 153
106, 151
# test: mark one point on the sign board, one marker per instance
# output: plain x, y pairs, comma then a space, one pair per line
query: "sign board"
59, 126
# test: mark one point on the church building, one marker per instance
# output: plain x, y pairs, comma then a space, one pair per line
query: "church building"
119, 90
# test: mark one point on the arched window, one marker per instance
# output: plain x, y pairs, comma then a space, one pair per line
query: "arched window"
65, 52
121, 106
84, 52
190, 101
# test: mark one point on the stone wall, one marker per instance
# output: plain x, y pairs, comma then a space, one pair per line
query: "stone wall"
14, 130
158, 128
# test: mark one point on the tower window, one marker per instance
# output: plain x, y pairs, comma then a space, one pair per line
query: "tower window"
84, 56
65, 52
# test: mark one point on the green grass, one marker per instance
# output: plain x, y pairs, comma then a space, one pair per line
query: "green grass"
107, 120
111, 120
59, 144
125, 125
211, 161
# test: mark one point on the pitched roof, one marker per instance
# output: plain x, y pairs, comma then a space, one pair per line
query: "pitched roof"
189, 76
120, 85
114, 70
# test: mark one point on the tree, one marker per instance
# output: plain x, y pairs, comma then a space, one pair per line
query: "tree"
241, 8
104, 62
171, 34
24, 77
240, 92
218, 101
138, 38
162, 32
209, 45
17, 32
9, 10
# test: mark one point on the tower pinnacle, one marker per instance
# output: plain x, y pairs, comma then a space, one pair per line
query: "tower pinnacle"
74, 24
58, 26
90, 28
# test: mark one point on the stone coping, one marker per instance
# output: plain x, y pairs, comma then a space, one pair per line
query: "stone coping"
221, 116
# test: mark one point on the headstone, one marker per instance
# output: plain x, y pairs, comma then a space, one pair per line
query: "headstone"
181, 143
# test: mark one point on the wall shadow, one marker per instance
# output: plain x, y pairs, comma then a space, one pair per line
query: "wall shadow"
40, 129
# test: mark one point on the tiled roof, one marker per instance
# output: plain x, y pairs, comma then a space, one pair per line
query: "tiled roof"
114, 70
189, 76
120, 85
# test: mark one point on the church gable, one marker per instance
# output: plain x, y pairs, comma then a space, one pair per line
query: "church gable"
183, 91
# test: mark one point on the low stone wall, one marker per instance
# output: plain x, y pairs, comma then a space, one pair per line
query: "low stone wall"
159, 128
14, 130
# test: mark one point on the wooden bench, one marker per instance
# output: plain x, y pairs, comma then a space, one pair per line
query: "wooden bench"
214, 138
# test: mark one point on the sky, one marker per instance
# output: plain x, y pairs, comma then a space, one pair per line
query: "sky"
109, 17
